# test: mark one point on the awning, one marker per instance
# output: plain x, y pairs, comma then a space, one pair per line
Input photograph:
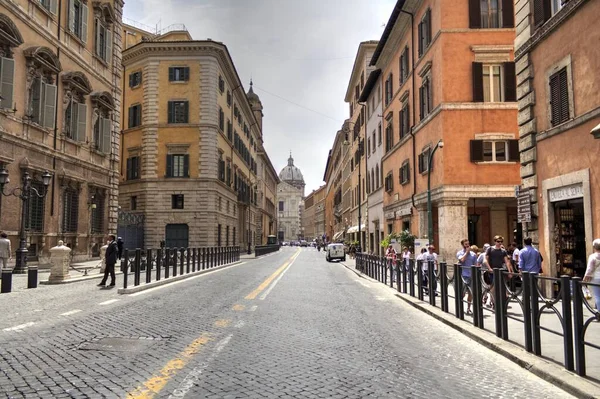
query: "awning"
337, 235
354, 229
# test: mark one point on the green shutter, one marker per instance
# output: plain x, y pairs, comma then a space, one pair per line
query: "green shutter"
7, 75
171, 74
169, 165
186, 165
171, 112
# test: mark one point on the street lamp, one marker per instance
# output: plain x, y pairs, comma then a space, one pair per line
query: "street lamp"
440, 144
24, 193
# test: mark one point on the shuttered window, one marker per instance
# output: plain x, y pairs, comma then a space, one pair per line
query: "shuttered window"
424, 161
43, 103
559, 97
179, 74
425, 98
221, 119
35, 220
178, 111
494, 151
221, 84
404, 121
177, 201
491, 14
98, 213
389, 135
178, 165
389, 182
542, 11
494, 82
78, 19
7, 77
135, 116
133, 168
405, 173
104, 40
425, 32
76, 121
50, 5
404, 65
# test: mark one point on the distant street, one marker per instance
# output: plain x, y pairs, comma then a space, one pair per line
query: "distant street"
287, 325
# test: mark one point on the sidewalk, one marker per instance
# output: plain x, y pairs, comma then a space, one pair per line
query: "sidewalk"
552, 344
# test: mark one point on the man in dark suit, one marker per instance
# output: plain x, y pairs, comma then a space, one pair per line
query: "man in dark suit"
110, 259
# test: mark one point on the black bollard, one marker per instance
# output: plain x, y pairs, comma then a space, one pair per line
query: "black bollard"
6, 281
32, 277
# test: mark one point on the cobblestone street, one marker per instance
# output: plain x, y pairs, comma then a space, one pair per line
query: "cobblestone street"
288, 325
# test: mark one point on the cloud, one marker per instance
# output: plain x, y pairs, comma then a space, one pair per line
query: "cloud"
302, 51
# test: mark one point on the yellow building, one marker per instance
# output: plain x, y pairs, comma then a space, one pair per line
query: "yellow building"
59, 111
313, 217
192, 140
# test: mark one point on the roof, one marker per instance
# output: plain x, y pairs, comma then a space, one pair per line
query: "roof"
387, 31
356, 68
371, 81
291, 174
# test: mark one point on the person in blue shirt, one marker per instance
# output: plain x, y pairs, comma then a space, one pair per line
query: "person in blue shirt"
530, 259
466, 259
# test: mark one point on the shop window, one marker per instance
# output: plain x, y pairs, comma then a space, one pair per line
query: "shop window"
559, 97
78, 19
495, 151
133, 168
179, 74
425, 32
70, 210
177, 201
135, 116
569, 238
178, 165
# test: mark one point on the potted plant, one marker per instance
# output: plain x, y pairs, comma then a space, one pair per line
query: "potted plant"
407, 239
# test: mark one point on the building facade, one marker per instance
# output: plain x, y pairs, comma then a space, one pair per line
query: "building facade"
190, 144
335, 225
313, 217
448, 77
267, 197
290, 205
60, 111
558, 88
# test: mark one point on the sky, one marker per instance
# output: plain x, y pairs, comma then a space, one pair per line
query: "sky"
299, 55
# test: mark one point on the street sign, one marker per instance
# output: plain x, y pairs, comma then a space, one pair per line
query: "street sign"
523, 206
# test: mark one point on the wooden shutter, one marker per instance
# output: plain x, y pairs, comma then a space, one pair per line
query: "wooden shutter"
49, 105
130, 117
73, 122
513, 151
421, 103
129, 169
81, 121
186, 74
138, 115
186, 165
169, 165
421, 169
53, 6
71, 20
564, 95
171, 112
84, 22
109, 46
131, 79
476, 150
106, 127
420, 38
510, 82
7, 77
542, 11
36, 100
475, 14
429, 27
477, 82
508, 13
97, 28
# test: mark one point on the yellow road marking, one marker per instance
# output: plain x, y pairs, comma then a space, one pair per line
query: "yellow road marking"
222, 323
158, 381
239, 307
272, 277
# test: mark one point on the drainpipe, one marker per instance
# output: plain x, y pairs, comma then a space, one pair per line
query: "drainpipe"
55, 118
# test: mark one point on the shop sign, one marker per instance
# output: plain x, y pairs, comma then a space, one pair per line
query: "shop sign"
406, 211
523, 206
390, 215
566, 193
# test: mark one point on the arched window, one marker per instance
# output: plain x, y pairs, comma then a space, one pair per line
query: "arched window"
103, 105
43, 67
76, 87
10, 37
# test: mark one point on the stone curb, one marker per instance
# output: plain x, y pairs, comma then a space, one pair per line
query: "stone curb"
554, 374
153, 284
76, 279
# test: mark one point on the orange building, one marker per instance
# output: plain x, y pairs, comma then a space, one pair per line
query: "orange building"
448, 77
558, 88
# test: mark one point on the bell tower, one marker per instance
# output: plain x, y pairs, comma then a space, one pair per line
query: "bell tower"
256, 105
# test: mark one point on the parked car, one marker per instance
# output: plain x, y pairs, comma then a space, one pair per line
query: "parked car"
335, 251
303, 243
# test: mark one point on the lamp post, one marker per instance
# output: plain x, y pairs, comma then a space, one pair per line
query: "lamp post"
24, 193
440, 144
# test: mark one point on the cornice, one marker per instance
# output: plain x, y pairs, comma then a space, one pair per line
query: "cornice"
361, 63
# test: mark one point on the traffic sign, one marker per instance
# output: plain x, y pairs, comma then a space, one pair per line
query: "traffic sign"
523, 206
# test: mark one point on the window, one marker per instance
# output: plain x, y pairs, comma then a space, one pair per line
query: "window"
389, 89
133, 203
233, 237
43, 102
425, 32
226, 236
373, 141
379, 135
377, 176
404, 121
102, 131
557, 5
495, 151
221, 170
368, 145
135, 116
133, 168
50, 5
103, 41
35, 219
70, 210
228, 98
179, 74
78, 19
135, 79
425, 98
229, 130
424, 160
404, 65
280, 206
389, 135
178, 111
559, 97
221, 119
177, 201
491, 14
405, 173
218, 235
97, 214
221, 84
494, 82
76, 120
178, 165
389, 182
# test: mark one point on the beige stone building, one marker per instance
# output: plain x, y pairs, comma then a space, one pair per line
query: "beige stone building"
558, 89
313, 217
192, 140
290, 197
60, 111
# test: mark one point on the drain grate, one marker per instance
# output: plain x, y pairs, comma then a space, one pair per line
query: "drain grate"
117, 344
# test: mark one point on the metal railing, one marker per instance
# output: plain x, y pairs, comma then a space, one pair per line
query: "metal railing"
572, 309
260, 250
163, 263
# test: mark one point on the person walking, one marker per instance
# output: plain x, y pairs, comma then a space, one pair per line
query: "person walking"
483, 266
429, 256
592, 273
496, 258
390, 256
530, 259
5, 251
406, 257
110, 259
466, 259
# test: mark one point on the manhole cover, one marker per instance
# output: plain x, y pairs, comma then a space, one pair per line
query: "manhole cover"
117, 344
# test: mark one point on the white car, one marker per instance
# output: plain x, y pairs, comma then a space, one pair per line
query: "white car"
335, 251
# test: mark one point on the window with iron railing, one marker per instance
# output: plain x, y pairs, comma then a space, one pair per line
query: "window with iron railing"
70, 210
35, 219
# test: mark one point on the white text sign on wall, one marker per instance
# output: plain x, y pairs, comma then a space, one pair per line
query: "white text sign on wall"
566, 193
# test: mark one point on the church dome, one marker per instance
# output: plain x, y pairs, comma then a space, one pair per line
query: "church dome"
291, 174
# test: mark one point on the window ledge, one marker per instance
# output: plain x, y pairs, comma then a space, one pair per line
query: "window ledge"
179, 82
98, 152
135, 87
75, 37
44, 9
495, 162
100, 59
72, 141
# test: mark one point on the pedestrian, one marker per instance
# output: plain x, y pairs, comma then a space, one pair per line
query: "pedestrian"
110, 259
5, 251
390, 256
484, 270
429, 256
530, 259
496, 258
406, 257
514, 255
120, 244
592, 273
466, 259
